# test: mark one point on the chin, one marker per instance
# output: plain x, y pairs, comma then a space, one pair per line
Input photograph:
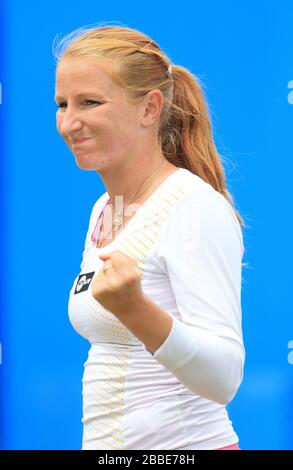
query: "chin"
83, 164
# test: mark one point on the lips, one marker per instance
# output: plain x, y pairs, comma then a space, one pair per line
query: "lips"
80, 140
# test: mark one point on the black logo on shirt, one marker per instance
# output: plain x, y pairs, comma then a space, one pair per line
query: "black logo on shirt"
83, 282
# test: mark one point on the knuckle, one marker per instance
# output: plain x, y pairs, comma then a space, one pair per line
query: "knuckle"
133, 275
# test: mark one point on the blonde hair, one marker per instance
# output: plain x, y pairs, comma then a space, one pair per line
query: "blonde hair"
185, 132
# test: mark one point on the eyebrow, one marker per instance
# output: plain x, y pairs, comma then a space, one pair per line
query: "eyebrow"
80, 95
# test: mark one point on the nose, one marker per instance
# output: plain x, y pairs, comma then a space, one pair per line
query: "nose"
69, 123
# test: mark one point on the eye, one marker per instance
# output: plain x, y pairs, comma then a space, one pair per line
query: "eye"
62, 105
90, 102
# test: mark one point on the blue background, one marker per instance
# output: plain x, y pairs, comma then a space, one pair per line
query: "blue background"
242, 52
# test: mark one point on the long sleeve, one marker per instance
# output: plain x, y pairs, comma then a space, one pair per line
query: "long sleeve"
201, 252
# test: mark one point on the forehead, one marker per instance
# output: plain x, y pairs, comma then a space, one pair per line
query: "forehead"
81, 75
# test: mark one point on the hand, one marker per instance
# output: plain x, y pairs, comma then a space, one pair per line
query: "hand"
118, 288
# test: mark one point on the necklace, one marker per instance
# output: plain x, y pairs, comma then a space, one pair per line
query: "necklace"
119, 215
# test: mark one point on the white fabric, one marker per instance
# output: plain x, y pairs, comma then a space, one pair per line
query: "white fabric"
188, 243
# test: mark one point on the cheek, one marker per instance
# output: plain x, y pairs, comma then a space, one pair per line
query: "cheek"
131, 123
126, 127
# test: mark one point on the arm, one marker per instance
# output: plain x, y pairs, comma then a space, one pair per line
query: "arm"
203, 348
206, 364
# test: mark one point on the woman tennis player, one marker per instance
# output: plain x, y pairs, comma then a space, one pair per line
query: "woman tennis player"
158, 295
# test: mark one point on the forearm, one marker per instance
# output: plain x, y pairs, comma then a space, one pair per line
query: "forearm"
206, 364
209, 365
147, 321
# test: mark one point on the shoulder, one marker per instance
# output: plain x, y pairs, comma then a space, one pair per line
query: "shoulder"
200, 210
191, 189
98, 206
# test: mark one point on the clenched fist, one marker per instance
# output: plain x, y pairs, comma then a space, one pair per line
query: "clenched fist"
117, 285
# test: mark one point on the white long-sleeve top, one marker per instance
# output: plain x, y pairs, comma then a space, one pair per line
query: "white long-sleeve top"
188, 243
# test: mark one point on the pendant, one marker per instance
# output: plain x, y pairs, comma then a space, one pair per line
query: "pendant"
118, 220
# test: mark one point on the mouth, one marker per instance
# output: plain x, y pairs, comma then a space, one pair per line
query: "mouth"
79, 141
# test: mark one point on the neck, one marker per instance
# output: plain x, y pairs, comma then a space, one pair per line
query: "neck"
124, 181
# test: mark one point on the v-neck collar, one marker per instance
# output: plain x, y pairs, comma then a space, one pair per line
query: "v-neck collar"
137, 216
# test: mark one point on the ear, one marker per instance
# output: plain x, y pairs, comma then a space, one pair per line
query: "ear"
152, 107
